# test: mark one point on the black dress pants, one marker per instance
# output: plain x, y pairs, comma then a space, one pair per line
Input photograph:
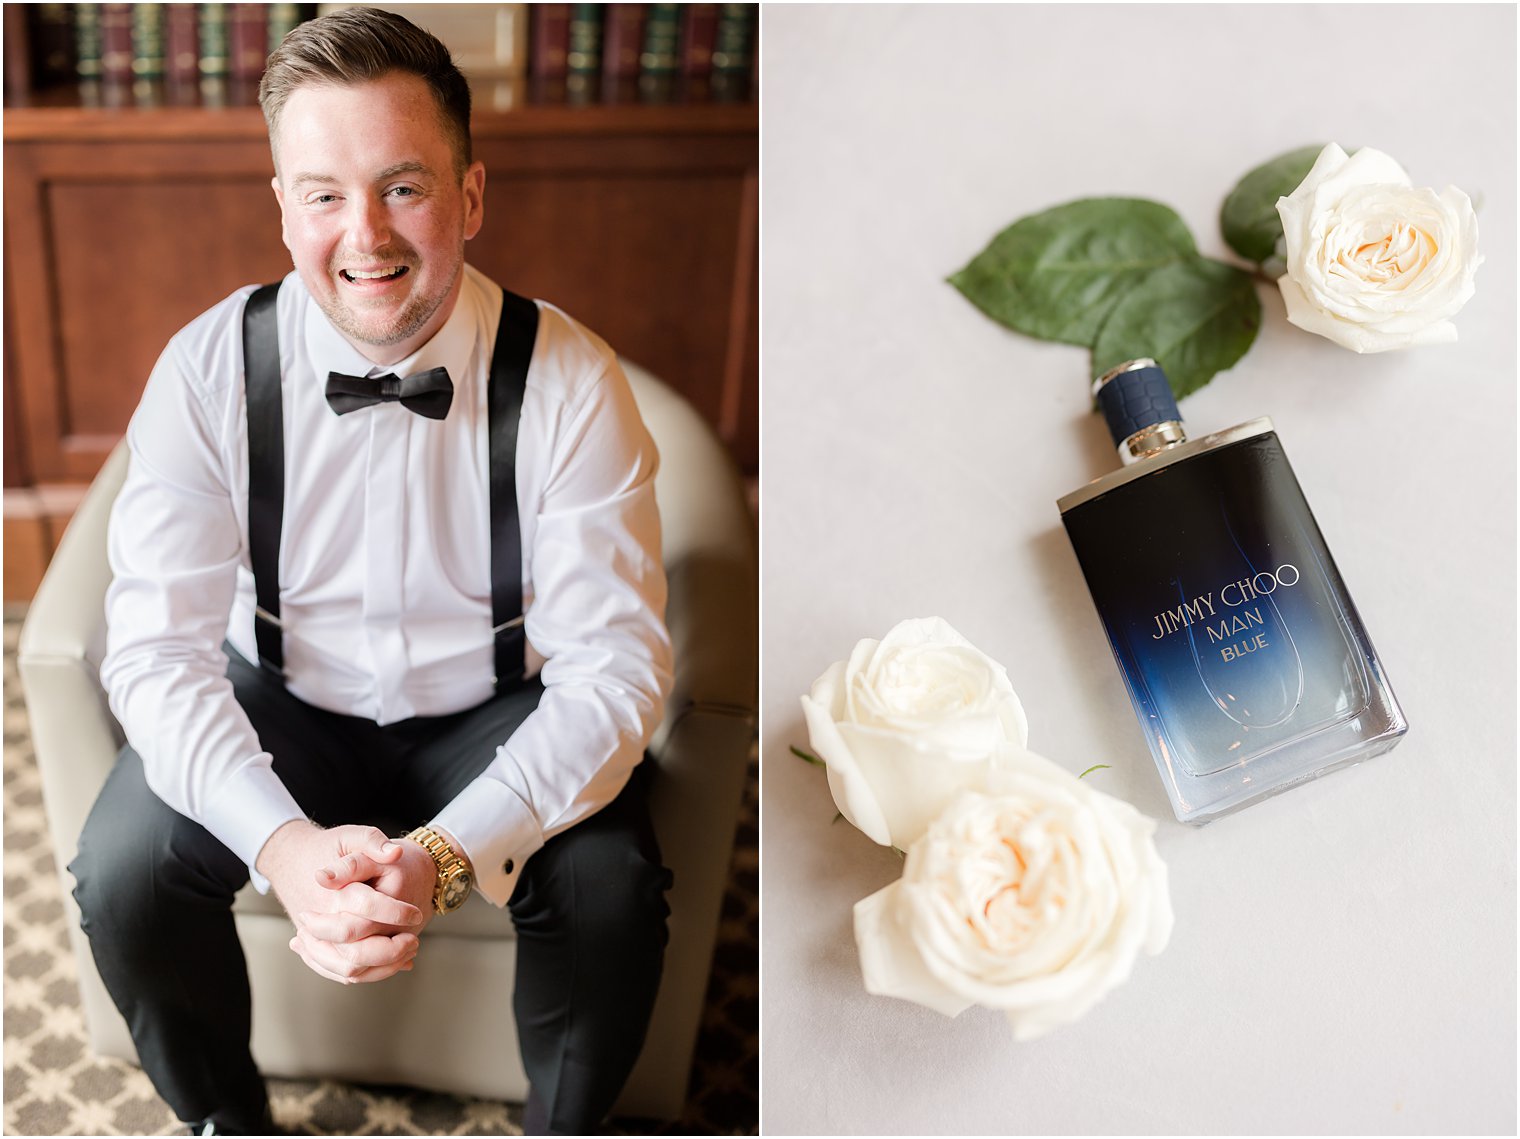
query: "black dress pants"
155, 892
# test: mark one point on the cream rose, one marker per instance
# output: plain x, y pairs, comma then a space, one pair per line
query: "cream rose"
1034, 899
907, 722
1374, 263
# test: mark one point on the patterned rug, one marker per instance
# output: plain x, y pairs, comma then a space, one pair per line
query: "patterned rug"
54, 1085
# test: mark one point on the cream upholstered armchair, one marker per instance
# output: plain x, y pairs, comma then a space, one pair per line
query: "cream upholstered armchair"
305, 1026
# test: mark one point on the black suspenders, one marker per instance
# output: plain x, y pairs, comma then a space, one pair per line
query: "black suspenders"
266, 476
266, 470
509, 378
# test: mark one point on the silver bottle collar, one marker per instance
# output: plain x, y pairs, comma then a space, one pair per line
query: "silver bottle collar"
1127, 366
1163, 459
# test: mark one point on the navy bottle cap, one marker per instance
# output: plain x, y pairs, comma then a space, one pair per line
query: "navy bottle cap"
1133, 397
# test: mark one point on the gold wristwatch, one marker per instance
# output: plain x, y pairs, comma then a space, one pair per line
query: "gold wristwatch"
455, 881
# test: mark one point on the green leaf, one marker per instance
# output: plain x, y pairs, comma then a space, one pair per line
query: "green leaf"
1195, 318
1095, 767
813, 759
1249, 218
1056, 275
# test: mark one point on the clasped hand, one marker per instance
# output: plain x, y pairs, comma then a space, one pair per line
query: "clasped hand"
359, 900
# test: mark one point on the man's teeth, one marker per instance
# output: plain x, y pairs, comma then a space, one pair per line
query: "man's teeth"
378, 274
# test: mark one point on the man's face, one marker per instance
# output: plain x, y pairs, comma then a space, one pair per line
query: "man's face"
373, 211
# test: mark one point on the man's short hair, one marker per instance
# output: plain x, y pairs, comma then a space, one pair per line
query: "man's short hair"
356, 45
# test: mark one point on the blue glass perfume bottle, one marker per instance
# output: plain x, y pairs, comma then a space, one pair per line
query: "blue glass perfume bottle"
1245, 658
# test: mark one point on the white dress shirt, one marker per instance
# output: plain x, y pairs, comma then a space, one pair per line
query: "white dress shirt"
385, 572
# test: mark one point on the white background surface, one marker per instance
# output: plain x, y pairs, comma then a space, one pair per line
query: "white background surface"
1344, 955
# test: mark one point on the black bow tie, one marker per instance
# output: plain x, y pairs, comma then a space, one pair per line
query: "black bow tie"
427, 393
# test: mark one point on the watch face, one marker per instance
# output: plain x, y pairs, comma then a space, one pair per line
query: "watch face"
456, 890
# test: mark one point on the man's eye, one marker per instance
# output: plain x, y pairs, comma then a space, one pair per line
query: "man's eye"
404, 191
323, 199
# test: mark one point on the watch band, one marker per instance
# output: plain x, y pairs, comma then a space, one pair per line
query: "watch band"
454, 880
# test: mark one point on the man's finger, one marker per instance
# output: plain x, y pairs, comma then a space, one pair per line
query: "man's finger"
299, 949
343, 927
366, 902
379, 973
353, 957
358, 866
368, 840
355, 961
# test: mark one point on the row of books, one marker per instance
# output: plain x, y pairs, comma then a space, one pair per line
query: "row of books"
122, 43
624, 41
186, 43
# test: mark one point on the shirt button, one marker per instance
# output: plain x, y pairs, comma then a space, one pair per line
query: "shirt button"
506, 867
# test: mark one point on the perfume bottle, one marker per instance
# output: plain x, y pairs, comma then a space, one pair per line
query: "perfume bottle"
1245, 658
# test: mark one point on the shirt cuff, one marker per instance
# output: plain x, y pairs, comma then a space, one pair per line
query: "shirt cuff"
497, 831
249, 806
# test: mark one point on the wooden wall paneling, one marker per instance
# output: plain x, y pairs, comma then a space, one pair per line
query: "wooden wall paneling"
139, 269
31, 359
739, 423
17, 468
133, 241
27, 544
646, 261
35, 519
634, 236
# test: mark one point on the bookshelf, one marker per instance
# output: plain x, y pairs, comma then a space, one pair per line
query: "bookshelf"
124, 219
585, 53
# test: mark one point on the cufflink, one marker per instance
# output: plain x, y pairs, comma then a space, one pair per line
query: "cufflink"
506, 867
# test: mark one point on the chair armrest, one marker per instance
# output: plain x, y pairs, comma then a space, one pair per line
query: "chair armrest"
709, 549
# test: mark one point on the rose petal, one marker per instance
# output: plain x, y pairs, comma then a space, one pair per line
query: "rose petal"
1367, 167
888, 962
852, 792
1295, 208
909, 782
1349, 334
860, 660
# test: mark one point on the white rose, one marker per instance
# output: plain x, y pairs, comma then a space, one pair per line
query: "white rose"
1034, 899
906, 723
1373, 262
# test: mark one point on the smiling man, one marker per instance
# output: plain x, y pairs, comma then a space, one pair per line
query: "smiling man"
387, 552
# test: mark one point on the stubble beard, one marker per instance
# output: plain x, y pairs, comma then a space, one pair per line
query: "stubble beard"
413, 317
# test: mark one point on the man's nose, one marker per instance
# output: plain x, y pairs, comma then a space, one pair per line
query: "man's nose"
368, 228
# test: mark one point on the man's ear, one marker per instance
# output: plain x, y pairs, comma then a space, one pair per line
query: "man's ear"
279, 196
474, 199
